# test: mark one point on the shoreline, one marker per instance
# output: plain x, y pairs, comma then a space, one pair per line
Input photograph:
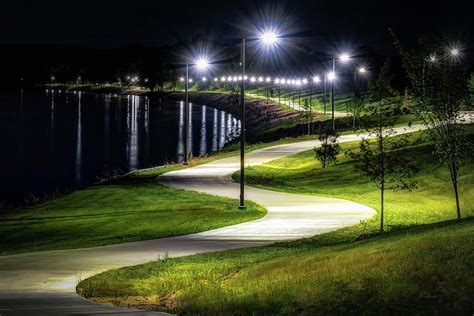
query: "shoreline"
262, 127
260, 116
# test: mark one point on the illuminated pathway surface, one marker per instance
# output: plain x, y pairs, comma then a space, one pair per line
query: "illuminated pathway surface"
43, 283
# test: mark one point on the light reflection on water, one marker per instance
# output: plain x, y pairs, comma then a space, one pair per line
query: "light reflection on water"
87, 134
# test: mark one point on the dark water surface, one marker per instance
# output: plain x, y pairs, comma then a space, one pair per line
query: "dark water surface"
52, 140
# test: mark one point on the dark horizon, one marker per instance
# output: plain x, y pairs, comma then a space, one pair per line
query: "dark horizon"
102, 40
108, 24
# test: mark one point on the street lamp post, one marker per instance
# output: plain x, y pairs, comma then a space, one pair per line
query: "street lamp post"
332, 95
186, 115
344, 58
268, 38
242, 128
315, 80
361, 71
202, 63
325, 93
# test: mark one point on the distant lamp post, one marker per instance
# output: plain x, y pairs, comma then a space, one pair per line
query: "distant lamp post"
202, 64
316, 80
345, 58
361, 71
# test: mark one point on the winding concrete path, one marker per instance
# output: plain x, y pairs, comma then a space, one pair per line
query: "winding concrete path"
43, 283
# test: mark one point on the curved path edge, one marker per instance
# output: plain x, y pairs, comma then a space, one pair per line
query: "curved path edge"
43, 283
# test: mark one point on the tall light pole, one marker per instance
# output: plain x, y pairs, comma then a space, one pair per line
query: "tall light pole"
331, 76
344, 58
202, 64
325, 92
361, 71
186, 115
269, 38
316, 81
242, 127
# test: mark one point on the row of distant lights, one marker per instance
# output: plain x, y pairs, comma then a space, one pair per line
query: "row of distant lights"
135, 79
316, 79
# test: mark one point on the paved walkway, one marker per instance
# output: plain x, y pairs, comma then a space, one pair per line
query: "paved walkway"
43, 283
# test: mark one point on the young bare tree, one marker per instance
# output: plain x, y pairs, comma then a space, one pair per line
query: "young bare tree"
440, 86
327, 152
355, 106
383, 160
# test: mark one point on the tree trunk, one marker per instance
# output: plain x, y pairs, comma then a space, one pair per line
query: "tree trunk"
458, 208
353, 121
454, 180
325, 151
382, 189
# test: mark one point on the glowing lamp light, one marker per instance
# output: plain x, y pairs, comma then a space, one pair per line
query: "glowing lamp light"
268, 79
269, 38
234, 79
216, 79
260, 79
362, 70
455, 52
181, 79
223, 79
253, 79
229, 78
316, 79
331, 76
304, 81
245, 77
277, 81
204, 79
202, 63
344, 58
240, 78
190, 80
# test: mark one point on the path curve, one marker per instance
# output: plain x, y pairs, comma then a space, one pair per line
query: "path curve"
43, 283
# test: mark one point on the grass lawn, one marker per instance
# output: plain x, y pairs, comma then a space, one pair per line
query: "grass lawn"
431, 201
424, 271
422, 264
129, 209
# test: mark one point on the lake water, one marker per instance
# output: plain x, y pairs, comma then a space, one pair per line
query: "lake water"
53, 140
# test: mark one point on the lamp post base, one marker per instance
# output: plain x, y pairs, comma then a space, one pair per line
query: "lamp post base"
242, 207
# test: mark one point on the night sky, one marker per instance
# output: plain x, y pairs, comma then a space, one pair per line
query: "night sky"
106, 24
